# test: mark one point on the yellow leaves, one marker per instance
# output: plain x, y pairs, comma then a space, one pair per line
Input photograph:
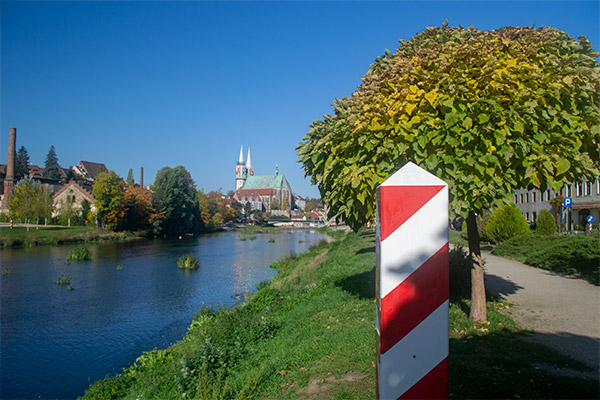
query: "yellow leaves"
413, 88
409, 107
567, 80
430, 97
511, 63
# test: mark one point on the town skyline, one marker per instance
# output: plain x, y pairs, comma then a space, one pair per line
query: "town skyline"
151, 85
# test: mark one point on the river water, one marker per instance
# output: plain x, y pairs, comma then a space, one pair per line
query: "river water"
56, 342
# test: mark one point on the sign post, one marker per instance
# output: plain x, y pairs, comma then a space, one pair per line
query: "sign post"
412, 285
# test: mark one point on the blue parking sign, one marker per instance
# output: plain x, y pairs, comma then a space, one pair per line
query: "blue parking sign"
567, 202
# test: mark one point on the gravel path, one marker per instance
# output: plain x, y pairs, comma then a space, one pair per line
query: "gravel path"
564, 312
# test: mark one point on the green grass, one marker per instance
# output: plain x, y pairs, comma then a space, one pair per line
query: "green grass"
19, 237
79, 254
188, 261
310, 333
573, 255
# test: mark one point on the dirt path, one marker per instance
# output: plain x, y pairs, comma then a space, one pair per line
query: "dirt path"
564, 312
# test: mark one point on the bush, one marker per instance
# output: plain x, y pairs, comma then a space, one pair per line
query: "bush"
573, 255
188, 261
546, 225
460, 274
507, 222
79, 254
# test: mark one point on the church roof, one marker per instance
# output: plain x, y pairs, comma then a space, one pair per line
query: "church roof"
276, 181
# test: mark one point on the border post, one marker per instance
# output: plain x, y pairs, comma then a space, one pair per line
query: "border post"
412, 286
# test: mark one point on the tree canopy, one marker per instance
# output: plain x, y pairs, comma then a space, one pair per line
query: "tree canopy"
21, 163
108, 190
175, 193
487, 112
30, 200
51, 167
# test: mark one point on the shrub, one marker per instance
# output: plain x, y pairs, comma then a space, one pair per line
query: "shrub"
507, 222
546, 225
79, 254
188, 261
460, 274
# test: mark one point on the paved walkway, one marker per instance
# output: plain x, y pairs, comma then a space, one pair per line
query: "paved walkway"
564, 312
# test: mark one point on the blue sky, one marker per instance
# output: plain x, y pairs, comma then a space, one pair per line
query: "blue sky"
154, 84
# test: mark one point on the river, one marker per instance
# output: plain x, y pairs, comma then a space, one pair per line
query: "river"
129, 298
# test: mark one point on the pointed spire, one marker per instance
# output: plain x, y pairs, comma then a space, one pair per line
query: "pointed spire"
249, 164
241, 160
276, 169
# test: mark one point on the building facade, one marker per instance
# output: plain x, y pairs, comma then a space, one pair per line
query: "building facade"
585, 197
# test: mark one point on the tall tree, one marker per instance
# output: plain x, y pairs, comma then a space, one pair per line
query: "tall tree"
174, 191
488, 112
108, 190
136, 211
21, 163
129, 179
51, 167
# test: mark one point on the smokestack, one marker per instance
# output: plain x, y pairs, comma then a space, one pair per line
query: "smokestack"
142, 178
10, 165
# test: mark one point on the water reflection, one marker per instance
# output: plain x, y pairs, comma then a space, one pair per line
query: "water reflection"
55, 341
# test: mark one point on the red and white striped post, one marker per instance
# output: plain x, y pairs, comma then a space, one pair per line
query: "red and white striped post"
412, 286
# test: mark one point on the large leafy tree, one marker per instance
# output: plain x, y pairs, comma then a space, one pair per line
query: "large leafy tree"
108, 190
21, 163
175, 194
51, 167
30, 200
487, 112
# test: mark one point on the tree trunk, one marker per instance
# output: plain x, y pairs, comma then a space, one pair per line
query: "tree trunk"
478, 301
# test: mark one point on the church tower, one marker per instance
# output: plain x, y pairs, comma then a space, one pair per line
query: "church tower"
241, 172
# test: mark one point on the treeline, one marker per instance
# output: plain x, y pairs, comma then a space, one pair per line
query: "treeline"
172, 206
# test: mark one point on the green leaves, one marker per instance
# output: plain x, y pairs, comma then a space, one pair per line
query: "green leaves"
487, 112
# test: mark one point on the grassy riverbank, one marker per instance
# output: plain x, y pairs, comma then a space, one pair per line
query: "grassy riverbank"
310, 333
40, 236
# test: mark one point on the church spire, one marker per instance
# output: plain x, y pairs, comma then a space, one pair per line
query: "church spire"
241, 160
249, 164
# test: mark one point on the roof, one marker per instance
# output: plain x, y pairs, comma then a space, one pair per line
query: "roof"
276, 181
91, 167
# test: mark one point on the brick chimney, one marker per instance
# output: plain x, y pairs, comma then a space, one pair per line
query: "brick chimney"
142, 178
9, 180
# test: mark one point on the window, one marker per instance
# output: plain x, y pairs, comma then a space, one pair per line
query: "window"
578, 189
597, 186
534, 196
516, 202
588, 188
526, 197
527, 216
542, 196
548, 195
534, 216
521, 197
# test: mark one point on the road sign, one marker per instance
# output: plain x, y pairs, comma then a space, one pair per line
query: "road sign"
590, 219
567, 202
412, 285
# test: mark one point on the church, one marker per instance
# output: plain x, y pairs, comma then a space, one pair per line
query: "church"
271, 194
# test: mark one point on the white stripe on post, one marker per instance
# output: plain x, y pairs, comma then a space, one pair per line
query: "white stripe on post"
412, 285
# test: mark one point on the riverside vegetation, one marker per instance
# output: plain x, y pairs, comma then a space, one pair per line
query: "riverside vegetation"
21, 237
310, 333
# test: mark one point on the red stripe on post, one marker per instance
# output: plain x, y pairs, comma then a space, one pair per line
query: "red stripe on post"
414, 299
434, 385
394, 213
